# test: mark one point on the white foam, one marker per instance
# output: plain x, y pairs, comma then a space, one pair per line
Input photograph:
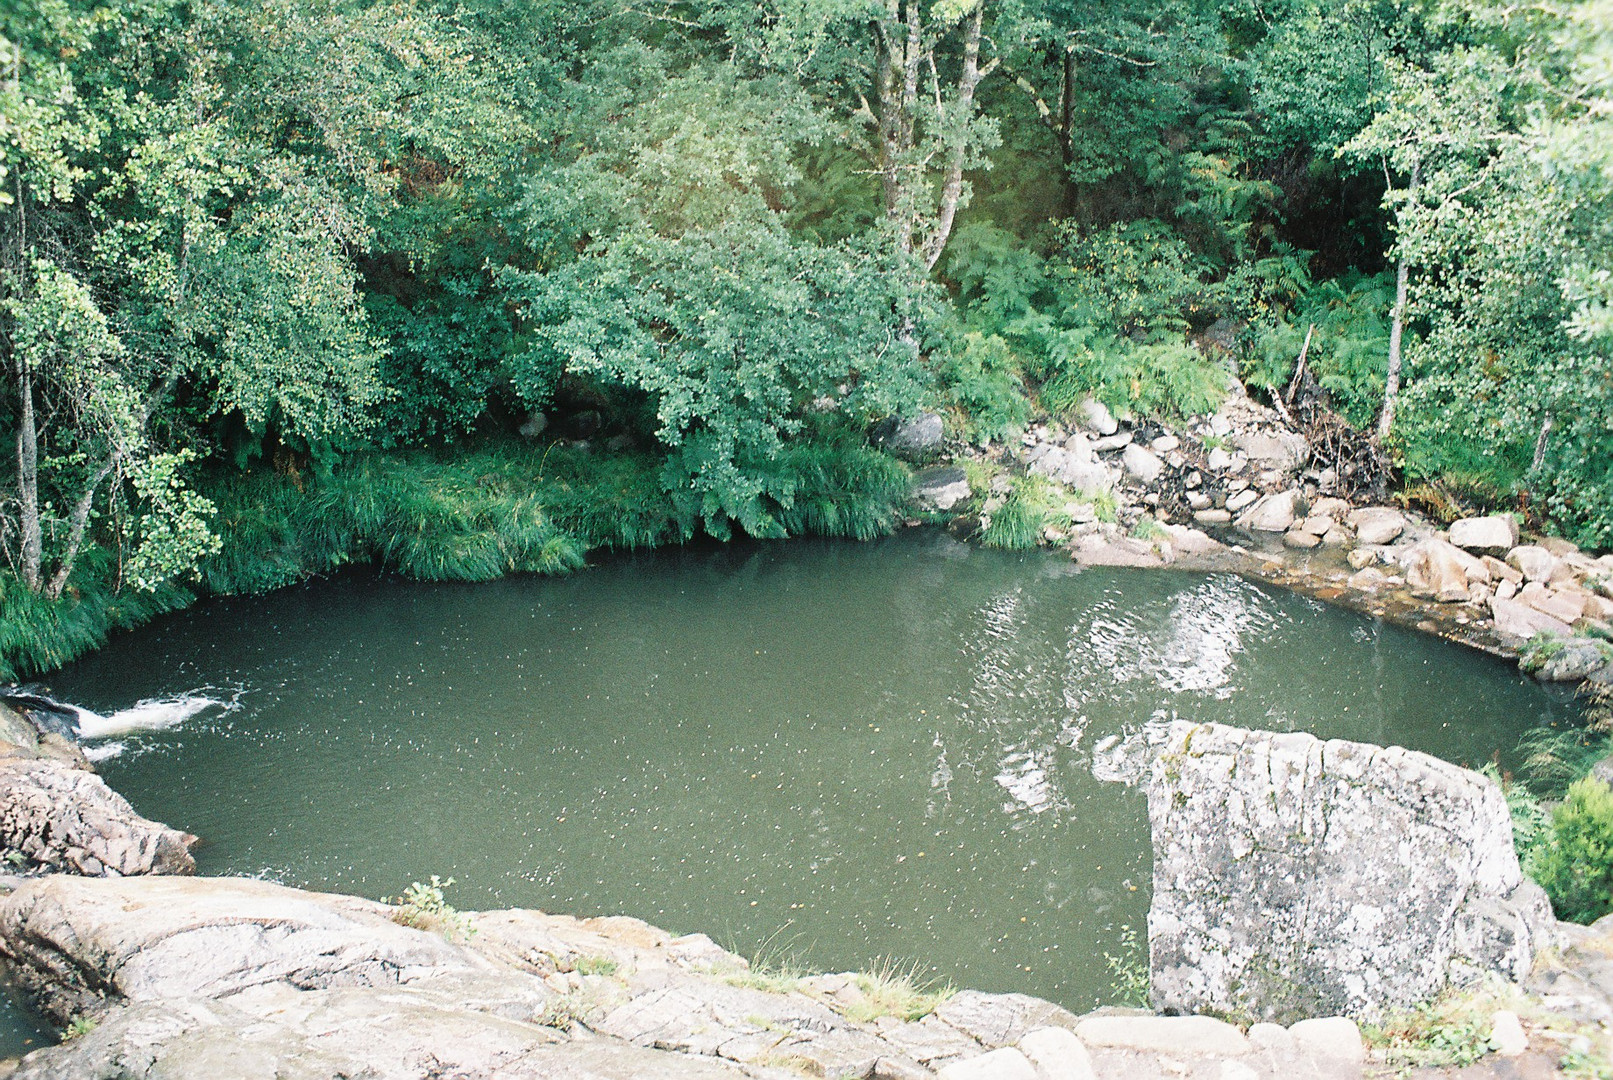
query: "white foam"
105, 750
152, 714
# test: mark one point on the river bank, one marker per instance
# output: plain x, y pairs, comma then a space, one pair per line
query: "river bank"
1242, 491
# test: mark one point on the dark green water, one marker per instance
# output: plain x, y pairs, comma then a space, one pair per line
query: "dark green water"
842, 752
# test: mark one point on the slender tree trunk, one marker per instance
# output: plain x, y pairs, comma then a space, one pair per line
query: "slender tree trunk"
1066, 130
952, 190
75, 534
1397, 325
1540, 441
28, 481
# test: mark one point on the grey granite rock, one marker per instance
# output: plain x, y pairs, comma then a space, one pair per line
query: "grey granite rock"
1277, 897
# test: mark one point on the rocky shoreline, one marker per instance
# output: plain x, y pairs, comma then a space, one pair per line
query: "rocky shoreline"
160, 975
1239, 491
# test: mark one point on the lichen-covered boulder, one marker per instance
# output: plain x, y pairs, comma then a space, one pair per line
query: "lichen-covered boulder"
1295, 877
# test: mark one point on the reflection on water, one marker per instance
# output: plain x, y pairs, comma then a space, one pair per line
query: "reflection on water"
849, 751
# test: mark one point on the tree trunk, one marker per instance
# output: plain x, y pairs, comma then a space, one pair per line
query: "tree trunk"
1397, 326
1391, 382
952, 192
1540, 442
33, 553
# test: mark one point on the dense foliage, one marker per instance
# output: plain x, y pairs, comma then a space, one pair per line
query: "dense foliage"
281, 283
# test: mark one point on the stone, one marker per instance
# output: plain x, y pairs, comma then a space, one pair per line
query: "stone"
1516, 620
1274, 513
1117, 441
157, 938
1189, 541
1095, 416
1218, 460
1360, 558
1282, 451
1336, 537
1535, 563
1142, 464
1301, 540
1506, 1034
1057, 1054
1506, 590
996, 1020
1436, 570
1318, 524
1500, 571
1005, 1064
1165, 444
1576, 659
1334, 1037
916, 438
1563, 606
1212, 517
941, 487
1275, 896
1376, 524
1085, 475
1331, 506
66, 818
1496, 534
1163, 1034
534, 425
1267, 1036
1197, 500
1242, 498
1367, 580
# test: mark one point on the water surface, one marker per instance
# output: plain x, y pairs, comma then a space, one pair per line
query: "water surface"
838, 752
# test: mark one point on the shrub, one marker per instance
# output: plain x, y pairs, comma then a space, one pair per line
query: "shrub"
1574, 861
425, 907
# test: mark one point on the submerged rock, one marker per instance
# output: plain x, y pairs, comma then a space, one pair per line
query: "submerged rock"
1276, 897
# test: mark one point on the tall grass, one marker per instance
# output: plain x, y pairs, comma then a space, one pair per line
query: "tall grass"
483, 513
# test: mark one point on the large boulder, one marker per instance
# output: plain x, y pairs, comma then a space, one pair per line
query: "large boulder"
1274, 513
1079, 470
1376, 524
1520, 621
941, 487
916, 438
1142, 464
78, 941
1436, 570
1493, 535
1284, 451
1572, 660
67, 819
1095, 416
1276, 896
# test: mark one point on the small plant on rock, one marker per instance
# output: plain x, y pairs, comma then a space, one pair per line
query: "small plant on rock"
565, 1011
1128, 970
897, 990
79, 1027
596, 964
425, 907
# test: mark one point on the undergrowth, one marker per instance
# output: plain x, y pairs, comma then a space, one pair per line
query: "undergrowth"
489, 511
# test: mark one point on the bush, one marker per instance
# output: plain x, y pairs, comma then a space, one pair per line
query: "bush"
1574, 860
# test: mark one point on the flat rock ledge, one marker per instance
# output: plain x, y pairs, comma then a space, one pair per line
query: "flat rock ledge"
1295, 877
191, 978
